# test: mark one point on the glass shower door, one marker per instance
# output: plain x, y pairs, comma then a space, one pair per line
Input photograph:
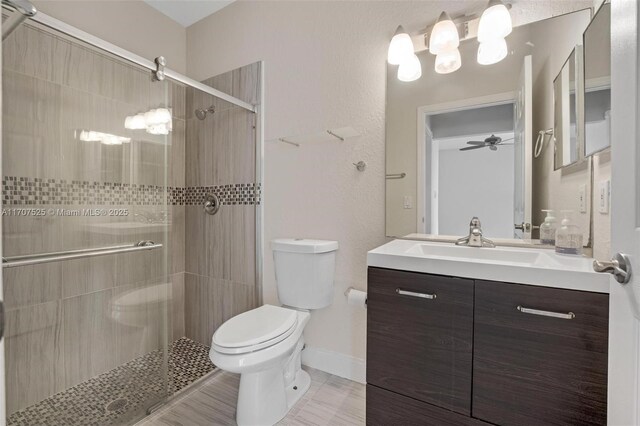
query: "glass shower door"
86, 221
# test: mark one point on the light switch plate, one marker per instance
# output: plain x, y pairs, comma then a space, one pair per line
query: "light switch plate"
603, 196
582, 198
408, 202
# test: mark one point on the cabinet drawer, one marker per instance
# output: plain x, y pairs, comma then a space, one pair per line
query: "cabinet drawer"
385, 408
419, 336
534, 369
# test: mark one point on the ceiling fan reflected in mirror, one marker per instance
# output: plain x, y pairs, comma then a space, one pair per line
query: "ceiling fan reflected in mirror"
492, 142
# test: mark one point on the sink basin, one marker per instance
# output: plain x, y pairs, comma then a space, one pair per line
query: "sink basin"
521, 265
476, 254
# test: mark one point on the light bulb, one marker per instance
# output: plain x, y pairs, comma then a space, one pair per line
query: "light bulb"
158, 129
135, 122
495, 22
492, 52
150, 118
163, 115
400, 48
410, 69
444, 36
448, 61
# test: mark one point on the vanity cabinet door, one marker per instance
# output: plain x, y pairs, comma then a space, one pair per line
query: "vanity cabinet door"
533, 369
419, 336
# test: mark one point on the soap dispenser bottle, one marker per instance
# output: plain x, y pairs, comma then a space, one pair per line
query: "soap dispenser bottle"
568, 236
548, 229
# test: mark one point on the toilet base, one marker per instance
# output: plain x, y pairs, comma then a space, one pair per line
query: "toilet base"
300, 386
265, 397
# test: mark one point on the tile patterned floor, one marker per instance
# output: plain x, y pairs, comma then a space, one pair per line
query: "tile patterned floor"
331, 400
122, 394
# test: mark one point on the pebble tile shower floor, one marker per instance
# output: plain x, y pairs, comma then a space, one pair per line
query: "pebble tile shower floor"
121, 394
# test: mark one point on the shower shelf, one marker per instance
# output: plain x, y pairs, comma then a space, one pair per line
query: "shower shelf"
33, 259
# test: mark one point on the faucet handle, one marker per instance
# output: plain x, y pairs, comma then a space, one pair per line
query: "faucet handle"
475, 222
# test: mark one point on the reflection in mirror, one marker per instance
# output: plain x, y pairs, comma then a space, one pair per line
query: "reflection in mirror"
568, 114
478, 141
431, 119
597, 72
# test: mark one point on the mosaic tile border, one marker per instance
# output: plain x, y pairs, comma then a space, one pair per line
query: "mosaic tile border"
38, 191
135, 385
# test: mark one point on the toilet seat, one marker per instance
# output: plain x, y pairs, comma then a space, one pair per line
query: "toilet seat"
255, 329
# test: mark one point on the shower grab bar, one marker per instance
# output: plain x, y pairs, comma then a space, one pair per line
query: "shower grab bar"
33, 259
23, 9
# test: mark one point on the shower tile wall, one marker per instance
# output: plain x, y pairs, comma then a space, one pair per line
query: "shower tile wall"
60, 319
220, 279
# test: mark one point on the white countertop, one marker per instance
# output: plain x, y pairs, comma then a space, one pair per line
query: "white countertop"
533, 266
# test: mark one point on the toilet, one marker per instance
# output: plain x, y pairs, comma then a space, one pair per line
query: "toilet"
264, 345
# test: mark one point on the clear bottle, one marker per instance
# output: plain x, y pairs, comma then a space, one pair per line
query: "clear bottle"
568, 236
548, 229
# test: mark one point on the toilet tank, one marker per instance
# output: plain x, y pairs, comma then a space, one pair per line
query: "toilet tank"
305, 272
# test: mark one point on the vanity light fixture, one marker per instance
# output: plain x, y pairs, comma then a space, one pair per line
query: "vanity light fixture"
495, 22
443, 43
410, 70
135, 122
103, 138
401, 52
444, 36
492, 51
448, 61
400, 48
155, 121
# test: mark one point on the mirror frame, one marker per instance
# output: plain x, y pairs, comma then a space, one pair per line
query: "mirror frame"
578, 58
584, 83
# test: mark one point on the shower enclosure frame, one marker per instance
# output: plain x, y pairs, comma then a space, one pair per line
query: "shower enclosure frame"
257, 110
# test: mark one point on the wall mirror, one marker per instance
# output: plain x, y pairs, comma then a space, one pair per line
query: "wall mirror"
597, 81
461, 144
568, 120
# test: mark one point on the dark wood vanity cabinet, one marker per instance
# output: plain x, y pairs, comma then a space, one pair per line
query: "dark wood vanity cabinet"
419, 336
500, 353
533, 369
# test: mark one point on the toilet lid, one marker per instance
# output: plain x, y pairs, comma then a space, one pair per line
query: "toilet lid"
255, 329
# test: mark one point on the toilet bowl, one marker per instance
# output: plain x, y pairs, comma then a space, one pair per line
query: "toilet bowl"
264, 345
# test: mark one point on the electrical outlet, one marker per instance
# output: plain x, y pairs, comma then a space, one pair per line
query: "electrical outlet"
408, 202
582, 198
603, 196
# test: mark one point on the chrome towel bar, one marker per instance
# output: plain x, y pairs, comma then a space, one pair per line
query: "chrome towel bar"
34, 259
396, 175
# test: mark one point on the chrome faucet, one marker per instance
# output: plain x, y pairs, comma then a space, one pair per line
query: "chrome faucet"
475, 238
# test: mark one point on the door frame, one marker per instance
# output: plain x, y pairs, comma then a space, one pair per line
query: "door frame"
442, 108
624, 328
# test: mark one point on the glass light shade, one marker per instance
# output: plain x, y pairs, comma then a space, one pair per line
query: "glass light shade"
400, 48
444, 36
151, 118
448, 61
410, 69
163, 115
135, 122
103, 138
495, 22
158, 129
492, 52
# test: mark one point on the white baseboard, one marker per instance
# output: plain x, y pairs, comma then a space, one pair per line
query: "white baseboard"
335, 363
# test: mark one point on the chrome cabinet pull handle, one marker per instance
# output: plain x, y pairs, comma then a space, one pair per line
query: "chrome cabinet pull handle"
568, 315
414, 294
